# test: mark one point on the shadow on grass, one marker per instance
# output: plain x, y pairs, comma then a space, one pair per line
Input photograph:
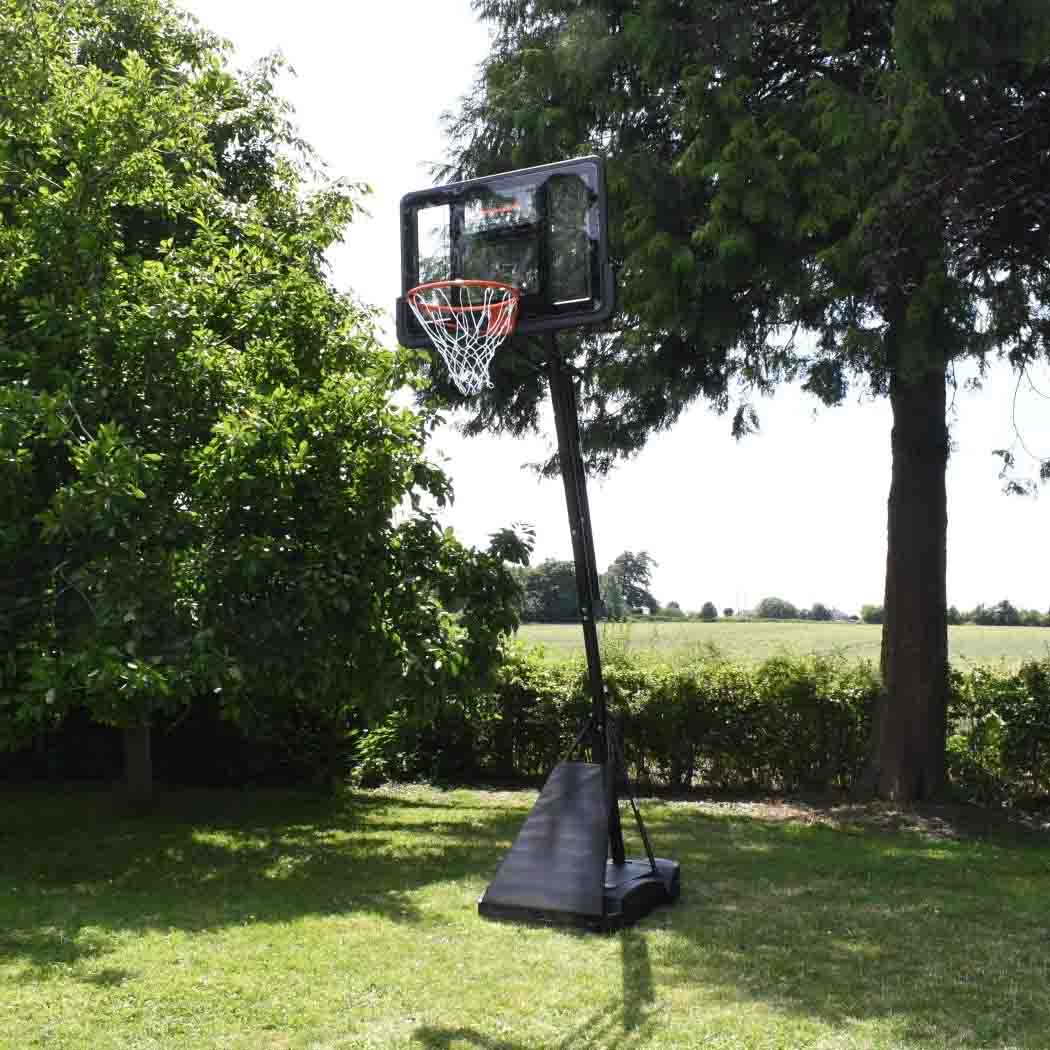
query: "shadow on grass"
74, 872
934, 943
945, 942
621, 1024
939, 942
111, 977
603, 1028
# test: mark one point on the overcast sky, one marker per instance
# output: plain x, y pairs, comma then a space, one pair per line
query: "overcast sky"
797, 511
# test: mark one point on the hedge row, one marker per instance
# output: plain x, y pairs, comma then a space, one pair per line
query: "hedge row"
999, 733
784, 725
787, 724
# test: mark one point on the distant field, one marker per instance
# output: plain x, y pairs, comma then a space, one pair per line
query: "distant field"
756, 641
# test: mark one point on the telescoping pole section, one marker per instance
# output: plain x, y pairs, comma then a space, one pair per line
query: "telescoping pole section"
567, 426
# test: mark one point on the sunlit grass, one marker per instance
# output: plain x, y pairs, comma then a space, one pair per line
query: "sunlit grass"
273, 920
755, 641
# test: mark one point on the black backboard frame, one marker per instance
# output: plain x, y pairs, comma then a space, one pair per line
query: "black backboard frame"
533, 317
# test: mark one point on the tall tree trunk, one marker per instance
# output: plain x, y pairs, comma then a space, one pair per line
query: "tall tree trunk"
138, 767
911, 725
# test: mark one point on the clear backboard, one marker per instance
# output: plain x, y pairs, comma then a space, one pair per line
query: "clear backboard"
542, 230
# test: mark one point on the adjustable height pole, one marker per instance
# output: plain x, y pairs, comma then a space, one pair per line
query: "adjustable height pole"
563, 395
574, 478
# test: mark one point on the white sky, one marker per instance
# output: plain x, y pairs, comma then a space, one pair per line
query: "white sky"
797, 511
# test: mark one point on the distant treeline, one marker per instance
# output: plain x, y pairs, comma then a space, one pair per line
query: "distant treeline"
548, 595
1002, 614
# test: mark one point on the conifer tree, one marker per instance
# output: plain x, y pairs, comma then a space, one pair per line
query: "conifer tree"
850, 193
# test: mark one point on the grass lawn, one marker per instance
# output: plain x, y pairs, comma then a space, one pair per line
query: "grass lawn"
272, 920
755, 641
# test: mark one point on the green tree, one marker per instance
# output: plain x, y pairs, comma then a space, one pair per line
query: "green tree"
513, 545
871, 613
780, 167
611, 587
634, 571
208, 488
550, 593
819, 611
727, 611
776, 609
954, 617
708, 611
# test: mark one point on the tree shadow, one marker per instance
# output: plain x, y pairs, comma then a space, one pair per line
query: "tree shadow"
945, 938
622, 1024
111, 977
75, 872
602, 1028
939, 941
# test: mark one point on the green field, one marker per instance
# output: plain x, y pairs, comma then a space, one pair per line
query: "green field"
755, 641
265, 920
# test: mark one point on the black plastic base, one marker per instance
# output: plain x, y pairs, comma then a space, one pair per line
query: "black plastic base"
631, 892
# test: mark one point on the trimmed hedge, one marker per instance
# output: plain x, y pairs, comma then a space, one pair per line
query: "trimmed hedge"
999, 733
788, 724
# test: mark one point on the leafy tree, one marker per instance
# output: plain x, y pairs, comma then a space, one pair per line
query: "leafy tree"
727, 611
513, 545
776, 609
634, 571
871, 613
611, 587
203, 469
780, 167
708, 611
954, 617
319, 595
550, 593
1002, 614
819, 611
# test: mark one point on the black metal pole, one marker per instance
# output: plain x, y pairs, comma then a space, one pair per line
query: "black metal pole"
566, 425
574, 478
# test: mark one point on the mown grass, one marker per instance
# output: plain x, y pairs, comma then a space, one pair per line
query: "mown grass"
272, 920
754, 641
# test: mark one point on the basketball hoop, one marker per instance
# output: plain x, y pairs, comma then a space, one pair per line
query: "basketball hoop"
538, 238
466, 321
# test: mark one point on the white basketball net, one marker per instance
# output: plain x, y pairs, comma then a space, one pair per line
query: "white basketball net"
467, 321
